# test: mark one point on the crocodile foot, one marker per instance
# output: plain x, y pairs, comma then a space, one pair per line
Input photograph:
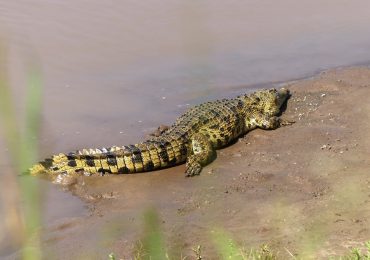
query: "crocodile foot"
192, 168
284, 122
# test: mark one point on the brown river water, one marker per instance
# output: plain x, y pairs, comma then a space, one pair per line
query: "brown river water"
114, 71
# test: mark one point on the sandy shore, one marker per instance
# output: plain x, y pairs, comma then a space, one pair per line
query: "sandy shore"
302, 188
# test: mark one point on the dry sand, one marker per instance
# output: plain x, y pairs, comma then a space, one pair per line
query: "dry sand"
300, 188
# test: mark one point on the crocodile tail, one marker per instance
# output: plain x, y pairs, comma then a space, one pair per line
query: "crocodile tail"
57, 163
40, 167
146, 156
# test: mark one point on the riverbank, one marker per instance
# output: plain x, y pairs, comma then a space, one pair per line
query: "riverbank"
302, 188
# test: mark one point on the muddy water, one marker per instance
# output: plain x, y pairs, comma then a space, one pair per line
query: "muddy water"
112, 72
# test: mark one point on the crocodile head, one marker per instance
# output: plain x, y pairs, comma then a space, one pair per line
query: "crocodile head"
271, 100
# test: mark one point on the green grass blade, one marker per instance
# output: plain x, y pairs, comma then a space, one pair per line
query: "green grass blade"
22, 152
153, 240
225, 246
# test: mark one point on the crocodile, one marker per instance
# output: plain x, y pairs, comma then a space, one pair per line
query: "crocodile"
193, 138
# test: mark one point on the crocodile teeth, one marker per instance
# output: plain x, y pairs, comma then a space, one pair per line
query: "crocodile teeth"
104, 150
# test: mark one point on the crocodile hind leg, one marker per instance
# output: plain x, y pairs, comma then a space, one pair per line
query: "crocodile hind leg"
202, 154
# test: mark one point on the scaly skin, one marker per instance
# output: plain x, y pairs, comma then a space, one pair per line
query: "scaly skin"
193, 138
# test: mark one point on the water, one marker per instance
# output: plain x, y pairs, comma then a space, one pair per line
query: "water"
112, 72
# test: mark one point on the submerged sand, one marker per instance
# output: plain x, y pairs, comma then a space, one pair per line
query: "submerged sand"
302, 189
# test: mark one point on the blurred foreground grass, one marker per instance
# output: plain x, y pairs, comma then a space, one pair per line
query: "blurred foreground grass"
20, 196
153, 247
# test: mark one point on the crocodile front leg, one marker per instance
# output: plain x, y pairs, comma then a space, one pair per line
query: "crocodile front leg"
202, 154
273, 122
269, 122
262, 121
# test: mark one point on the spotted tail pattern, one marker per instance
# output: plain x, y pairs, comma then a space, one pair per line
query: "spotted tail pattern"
147, 156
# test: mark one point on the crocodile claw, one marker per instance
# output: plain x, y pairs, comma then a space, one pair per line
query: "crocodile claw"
284, 122
193, 169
